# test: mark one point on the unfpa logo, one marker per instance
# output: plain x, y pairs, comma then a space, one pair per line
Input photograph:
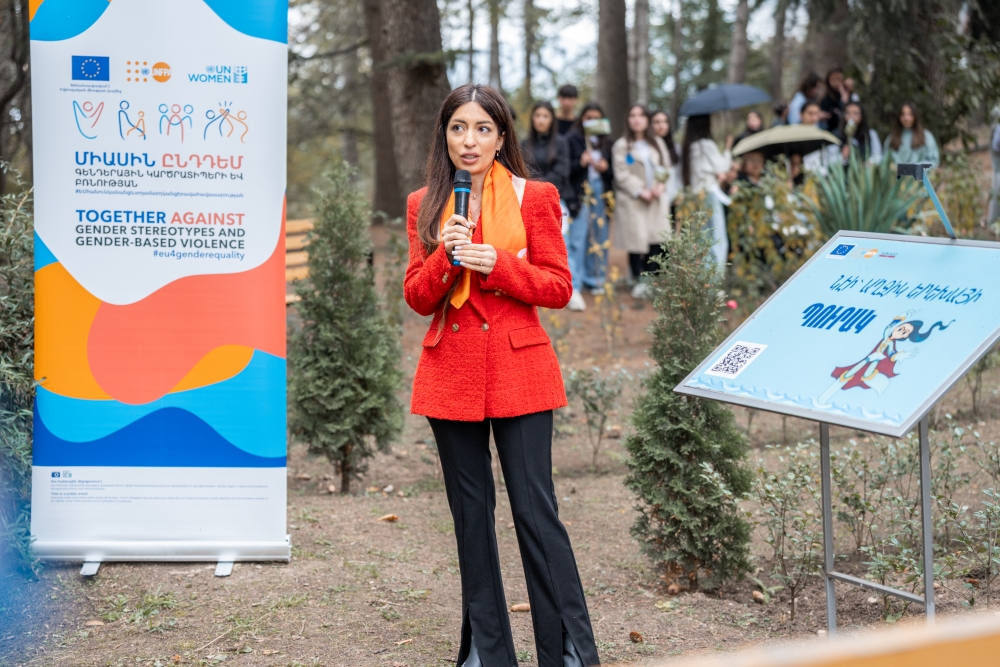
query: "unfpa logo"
139, 71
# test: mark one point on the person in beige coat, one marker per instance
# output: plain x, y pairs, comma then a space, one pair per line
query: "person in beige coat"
642, 167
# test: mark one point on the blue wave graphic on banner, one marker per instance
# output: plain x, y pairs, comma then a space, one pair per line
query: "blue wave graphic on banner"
267, 19
168, 438
61, 19
43, 256
247, 410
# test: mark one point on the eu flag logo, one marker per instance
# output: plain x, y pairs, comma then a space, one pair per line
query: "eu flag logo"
841, 251
91, 68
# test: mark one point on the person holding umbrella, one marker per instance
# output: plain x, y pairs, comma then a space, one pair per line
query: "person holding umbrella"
703, 166
703, 169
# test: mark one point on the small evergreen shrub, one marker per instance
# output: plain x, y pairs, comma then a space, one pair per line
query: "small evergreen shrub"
599, 396
686, 455
17, 385
344, 361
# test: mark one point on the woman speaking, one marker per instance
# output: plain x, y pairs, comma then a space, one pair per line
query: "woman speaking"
487, 363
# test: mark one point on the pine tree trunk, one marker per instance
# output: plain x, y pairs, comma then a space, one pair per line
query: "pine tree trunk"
529, 50
417, 82
677, 46
738, 53
641, 70
778, 51
611, 86
388, 197
831, 39
472, 41
346, 469
495, 45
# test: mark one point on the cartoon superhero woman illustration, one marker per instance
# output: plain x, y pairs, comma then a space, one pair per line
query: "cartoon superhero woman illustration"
874, 371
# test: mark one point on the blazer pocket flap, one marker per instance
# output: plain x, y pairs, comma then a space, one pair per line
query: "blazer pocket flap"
528, 336
433, 337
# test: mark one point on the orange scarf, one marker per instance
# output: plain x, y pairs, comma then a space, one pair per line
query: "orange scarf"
500, 216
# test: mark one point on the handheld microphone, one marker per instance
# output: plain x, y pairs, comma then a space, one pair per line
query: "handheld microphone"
463, 188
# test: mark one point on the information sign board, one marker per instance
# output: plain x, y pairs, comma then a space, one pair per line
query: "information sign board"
869, 333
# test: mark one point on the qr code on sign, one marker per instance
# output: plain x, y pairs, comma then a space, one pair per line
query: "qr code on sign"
736, 359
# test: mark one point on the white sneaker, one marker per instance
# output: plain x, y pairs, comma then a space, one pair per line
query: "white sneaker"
576, 302
641, 291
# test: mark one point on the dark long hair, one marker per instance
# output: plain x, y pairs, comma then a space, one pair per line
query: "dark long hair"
534, 136
897, 128
862, 133
669, 139
917, 336
440, 170
809, 82
698, 128
648, 135
602, 142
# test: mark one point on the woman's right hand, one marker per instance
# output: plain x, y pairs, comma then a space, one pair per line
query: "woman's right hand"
585, 158
457, 232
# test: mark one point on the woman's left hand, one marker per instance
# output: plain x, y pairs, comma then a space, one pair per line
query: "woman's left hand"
479, 257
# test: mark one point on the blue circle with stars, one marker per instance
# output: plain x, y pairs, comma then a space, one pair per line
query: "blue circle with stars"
90, 68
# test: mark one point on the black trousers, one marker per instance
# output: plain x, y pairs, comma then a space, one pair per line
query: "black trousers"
554, 590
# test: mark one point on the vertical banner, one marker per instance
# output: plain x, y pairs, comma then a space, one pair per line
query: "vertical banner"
159, 162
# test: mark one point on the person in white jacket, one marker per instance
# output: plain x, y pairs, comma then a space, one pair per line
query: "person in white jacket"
703, 168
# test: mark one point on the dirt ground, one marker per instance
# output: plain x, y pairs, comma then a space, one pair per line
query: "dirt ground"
365, 592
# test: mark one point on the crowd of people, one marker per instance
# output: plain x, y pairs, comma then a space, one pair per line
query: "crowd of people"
646, 170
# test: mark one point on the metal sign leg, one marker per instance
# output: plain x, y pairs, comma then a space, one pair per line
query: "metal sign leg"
926, 520
827, 501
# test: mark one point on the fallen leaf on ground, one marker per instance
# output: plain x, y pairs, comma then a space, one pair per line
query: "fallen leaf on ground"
269, 651
510, 526
331, 489
666, 605
304, 476
373, 489
389, 489
405, 641
388, 517
873, 600
758, 597
524, 606
567, 523
673, 589
94, 623
635, 637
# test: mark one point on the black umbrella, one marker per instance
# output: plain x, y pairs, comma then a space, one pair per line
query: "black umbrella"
723, 97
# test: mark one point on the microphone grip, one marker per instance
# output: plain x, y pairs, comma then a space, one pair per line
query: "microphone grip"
462, 209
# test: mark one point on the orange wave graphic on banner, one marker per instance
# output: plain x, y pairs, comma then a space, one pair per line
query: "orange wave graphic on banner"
64, 311
140, 351
220, 364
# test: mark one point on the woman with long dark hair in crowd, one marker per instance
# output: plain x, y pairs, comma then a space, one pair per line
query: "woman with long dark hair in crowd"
806, 92
664, 129
856, 135
642, 213
909, 141
545, 152
832, 105
487, 364
703, 169
590, 176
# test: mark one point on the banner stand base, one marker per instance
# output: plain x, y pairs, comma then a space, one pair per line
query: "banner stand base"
224, 568
90, 568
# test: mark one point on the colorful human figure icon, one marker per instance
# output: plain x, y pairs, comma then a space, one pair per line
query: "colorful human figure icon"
86, 116
170, 117
124, 121
875, 370
226, 122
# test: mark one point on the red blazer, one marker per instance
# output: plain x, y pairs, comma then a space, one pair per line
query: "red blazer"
492, 358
